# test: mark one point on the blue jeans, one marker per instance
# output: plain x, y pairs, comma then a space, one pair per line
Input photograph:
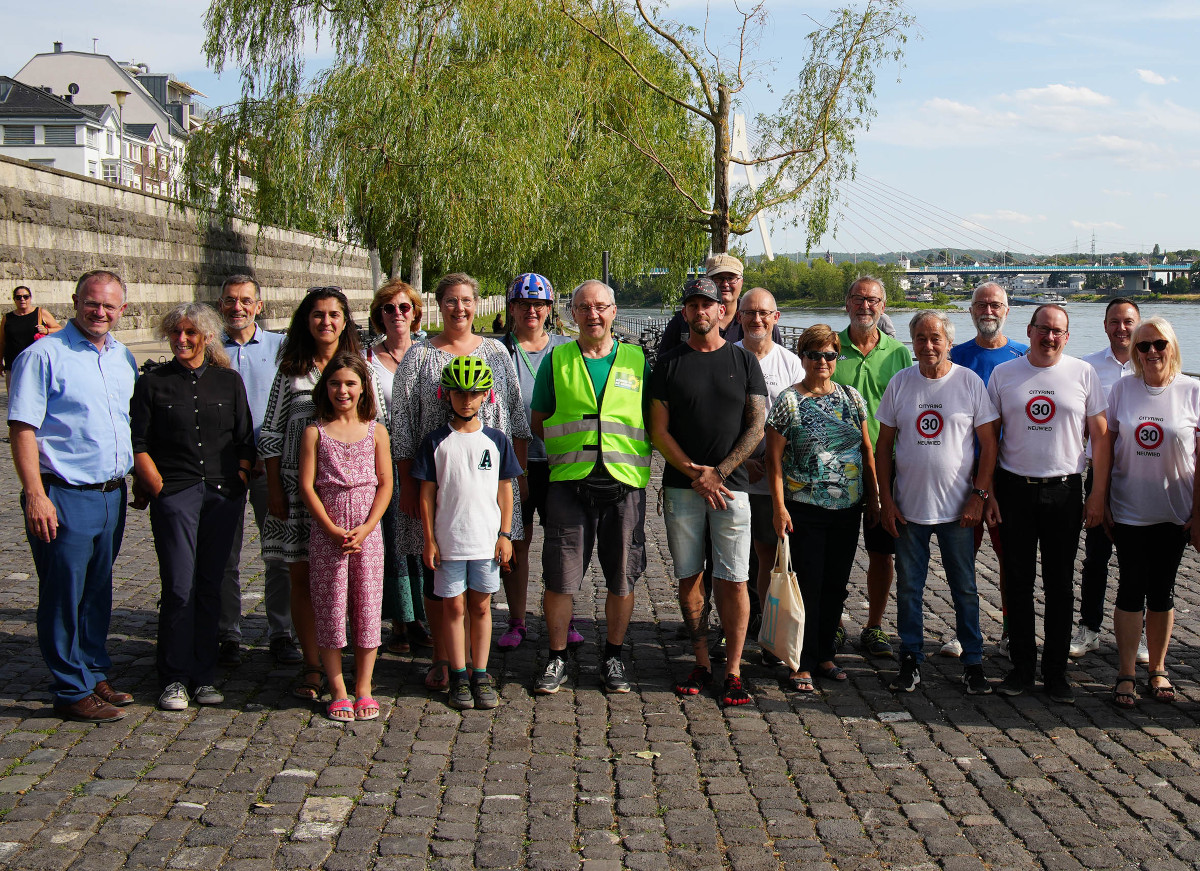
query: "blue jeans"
957, 545
75, 587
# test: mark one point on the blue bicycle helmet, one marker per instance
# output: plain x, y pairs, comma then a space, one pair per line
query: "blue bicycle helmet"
530, 285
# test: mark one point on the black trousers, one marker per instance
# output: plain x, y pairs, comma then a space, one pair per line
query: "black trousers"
1045, 517
822, 545
193, 534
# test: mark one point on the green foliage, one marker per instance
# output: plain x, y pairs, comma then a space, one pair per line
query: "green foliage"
804, 148
468, 135
817, 282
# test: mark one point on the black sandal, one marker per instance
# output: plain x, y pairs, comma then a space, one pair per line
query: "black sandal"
1160, 693
306, 688
1125, 701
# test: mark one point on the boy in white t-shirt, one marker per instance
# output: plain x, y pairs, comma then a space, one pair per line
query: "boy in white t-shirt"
466, 471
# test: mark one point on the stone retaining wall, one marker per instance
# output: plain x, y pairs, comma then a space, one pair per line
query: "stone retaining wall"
56, 225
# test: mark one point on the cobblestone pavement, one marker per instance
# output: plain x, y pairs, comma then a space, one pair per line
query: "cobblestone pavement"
853, 777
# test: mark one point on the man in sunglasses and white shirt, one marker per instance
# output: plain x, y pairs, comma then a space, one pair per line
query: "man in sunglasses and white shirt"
1045, 400
1121, 317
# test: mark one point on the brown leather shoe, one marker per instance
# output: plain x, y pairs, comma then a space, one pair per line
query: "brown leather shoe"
90, 709
113, 697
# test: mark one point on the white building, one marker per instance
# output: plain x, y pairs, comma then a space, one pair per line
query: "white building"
156, 99
45, 129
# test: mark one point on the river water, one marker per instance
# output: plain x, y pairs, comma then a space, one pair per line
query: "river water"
1087, 324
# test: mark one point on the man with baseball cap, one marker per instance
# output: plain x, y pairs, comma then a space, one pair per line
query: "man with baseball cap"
725, 271
694, 390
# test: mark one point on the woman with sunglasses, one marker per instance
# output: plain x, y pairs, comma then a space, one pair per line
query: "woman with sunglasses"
1152, 430
23, 326
395, 316
822, 476
320, 328
417, 410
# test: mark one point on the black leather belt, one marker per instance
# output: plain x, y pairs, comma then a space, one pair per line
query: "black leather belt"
1057, 479
50, 480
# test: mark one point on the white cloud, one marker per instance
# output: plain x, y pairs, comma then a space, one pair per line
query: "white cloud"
1096, 225
1062, 95
1150, 77
1008, 216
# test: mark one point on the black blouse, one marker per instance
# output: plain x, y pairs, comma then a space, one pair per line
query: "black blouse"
195, 424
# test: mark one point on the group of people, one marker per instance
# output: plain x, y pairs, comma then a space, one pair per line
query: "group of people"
400, 482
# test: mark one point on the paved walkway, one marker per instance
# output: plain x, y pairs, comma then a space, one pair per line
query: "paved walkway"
851, 778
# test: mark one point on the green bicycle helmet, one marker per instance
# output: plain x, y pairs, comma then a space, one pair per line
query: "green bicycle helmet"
467, 373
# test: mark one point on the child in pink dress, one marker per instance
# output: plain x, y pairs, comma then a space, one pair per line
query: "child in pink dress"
346, 482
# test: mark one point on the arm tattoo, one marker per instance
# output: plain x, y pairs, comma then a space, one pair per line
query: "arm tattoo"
753, 419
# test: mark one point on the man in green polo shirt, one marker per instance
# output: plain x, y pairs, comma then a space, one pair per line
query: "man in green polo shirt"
869, 360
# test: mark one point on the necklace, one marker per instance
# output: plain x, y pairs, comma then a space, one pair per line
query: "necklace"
1156, 391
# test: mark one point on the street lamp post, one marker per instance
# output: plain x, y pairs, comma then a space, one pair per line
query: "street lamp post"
120, 98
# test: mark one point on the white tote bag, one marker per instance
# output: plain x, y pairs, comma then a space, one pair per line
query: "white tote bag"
782, 632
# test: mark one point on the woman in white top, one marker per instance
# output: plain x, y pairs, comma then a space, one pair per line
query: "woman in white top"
1152, 419
395, 315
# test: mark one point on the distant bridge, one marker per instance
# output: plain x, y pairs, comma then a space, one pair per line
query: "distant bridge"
1137, 277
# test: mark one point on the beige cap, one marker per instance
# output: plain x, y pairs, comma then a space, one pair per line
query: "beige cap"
719, 263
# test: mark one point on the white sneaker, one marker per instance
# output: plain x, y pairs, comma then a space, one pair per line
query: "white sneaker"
1002, 647
174, 698
1143, 655
1084, 641
208, 695
953, 647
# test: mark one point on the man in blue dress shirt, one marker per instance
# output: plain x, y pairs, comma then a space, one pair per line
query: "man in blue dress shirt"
254, 353
68, 421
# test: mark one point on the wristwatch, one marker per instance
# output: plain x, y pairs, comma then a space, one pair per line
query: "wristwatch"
982, 494
507, 535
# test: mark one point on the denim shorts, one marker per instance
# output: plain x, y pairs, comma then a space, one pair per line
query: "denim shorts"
687, 515
452, 577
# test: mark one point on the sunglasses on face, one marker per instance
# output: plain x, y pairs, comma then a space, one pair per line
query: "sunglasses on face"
20, 297
1159, 345
390, 308
827, 356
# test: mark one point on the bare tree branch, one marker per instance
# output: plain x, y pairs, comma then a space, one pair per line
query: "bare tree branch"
652, 156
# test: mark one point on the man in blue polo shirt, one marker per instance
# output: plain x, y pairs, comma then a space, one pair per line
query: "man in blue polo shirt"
68, 421
254, 353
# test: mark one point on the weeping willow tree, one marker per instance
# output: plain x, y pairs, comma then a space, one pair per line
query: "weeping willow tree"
477, 135
801, 150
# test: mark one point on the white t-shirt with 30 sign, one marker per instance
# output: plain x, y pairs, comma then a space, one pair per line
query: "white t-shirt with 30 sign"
935, 421
1043, 410
1155, 455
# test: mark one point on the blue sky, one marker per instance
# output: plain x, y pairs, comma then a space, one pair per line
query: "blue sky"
1044, 122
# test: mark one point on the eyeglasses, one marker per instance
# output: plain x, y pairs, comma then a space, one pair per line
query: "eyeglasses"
596, 308
814, 356
459, 302
390, 308
231, 301
1052, 332
872, 301
324, 288
990, 306
725, 278
532, 303
21, 297
761, 314
1159, 345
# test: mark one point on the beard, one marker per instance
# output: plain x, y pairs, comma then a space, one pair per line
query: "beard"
989, 327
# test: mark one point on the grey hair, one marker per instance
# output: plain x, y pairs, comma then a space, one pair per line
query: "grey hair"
454, 279
927, 315
242, 278
205, 319
864, 279
987, 285
612, 296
